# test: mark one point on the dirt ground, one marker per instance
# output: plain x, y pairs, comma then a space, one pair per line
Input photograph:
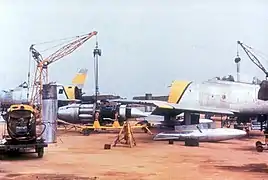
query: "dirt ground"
83, 157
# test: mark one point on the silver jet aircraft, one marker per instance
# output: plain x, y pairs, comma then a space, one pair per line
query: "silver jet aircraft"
242, 100
66, 94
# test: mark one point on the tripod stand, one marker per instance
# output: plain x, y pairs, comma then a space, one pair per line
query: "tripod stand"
125, 136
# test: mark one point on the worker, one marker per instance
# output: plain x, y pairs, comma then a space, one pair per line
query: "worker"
116, 115
97, 116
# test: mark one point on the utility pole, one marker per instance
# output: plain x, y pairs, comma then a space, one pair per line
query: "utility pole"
96, 54
237, 61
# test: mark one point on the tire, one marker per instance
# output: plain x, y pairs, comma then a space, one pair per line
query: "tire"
259, 148
2, 156
40, 152
258, 143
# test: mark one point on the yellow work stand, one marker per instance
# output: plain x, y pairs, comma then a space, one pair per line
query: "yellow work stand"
125, 136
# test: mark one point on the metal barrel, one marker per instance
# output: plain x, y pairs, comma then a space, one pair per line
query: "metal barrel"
49, 112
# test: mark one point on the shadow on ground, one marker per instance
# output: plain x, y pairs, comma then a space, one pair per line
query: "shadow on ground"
259, 168
46, 177
19, 157
251, 148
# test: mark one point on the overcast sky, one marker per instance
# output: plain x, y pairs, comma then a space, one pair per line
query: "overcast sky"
145, 43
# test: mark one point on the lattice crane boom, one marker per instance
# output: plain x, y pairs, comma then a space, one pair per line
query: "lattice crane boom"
41, 73
253, 58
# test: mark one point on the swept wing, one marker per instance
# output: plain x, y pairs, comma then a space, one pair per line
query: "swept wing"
163, 107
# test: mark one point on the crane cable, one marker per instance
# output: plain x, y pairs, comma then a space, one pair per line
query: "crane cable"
237, 50
66, 40
261, 54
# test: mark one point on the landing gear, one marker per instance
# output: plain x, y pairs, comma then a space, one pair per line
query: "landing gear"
260, 147
226, 123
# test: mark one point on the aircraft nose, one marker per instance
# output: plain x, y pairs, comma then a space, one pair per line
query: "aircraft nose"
136, 113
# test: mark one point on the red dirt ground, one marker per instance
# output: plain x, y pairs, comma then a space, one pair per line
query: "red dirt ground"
83, 157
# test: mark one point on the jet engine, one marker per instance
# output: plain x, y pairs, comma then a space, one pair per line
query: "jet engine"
82, 113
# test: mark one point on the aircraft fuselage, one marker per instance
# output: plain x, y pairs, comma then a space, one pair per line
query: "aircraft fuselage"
242, 97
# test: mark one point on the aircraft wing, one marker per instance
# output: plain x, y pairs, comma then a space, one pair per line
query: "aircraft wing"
163, 107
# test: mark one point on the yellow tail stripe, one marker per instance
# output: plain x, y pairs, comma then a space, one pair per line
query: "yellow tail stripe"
176, 90
79, 79
70, 91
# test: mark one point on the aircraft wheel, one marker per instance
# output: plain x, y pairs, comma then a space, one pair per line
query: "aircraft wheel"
258, 143
259, 148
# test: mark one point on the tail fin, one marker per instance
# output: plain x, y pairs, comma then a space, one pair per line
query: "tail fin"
177, 90
80, 78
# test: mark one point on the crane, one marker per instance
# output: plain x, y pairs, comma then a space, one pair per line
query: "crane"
41, 72
253, 58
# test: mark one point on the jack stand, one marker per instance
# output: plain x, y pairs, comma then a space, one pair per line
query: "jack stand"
127, 135
263, 146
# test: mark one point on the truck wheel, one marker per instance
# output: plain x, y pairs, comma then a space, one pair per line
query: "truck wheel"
2, 156
40, 152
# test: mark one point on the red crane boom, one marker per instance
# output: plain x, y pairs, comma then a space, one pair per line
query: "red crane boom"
41, 72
